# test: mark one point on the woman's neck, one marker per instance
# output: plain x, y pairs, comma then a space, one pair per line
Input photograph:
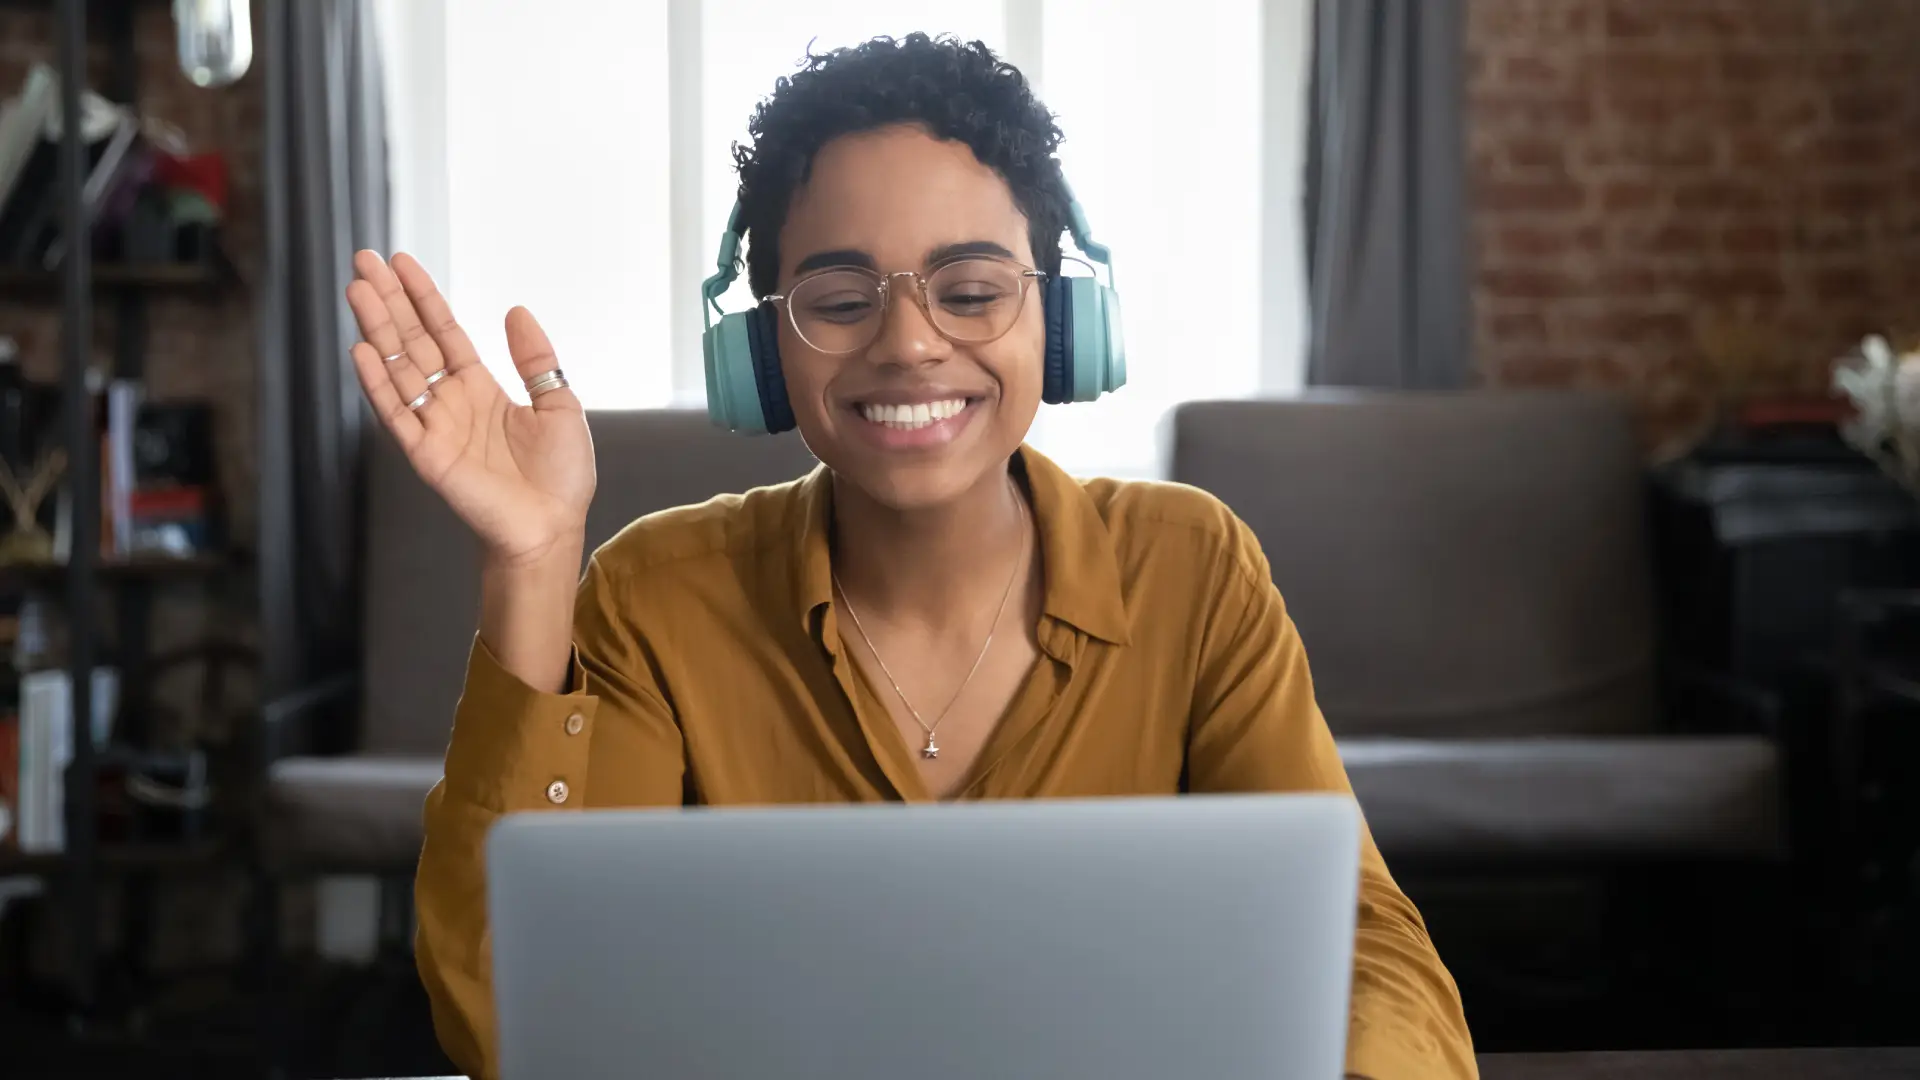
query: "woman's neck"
935, 566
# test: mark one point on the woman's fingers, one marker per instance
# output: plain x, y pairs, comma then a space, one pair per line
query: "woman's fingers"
419, 345
385, 397
456, 349
533, 357
376, 326
412, 358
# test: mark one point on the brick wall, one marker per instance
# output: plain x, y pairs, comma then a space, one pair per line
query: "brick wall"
199, 346
1681, 197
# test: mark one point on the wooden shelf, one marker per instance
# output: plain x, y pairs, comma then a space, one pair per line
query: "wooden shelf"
150, 855
141, 568
157, 276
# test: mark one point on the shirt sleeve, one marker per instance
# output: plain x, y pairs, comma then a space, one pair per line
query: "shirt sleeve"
516, 749
1256, 727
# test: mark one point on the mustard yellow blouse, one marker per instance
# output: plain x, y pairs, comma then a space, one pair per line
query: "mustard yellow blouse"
709, 668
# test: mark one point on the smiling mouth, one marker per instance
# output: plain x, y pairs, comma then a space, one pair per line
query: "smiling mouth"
913, 417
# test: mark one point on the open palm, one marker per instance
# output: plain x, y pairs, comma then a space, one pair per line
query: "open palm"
520, 476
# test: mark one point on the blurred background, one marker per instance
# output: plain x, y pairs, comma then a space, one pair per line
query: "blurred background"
1563, 354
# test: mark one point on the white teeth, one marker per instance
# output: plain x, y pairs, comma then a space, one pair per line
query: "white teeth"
909, 417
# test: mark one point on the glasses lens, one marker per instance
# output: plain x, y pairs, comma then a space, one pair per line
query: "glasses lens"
975, 299
838, 311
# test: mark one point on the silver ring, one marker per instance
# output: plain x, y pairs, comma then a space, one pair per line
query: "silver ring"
436, 376
401, 355
416, 403
542, 383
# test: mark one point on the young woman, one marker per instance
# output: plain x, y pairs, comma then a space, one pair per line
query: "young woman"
937, 612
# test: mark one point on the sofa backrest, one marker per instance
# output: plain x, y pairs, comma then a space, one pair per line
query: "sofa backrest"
422, 564
1458, 564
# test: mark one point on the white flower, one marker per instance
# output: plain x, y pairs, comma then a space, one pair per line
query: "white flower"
1906, 396
1866, 376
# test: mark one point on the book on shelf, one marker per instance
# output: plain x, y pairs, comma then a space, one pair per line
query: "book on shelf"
22, 642
163, 480
158, 495
46, 742
9, 775
117, 473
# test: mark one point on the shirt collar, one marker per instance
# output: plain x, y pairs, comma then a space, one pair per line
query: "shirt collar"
812, 564
1082, 573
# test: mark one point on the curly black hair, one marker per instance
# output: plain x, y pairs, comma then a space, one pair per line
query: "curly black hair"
953, 89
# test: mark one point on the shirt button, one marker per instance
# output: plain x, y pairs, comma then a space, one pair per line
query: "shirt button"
575, 723
557, 792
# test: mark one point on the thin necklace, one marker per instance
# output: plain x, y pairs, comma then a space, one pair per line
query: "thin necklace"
932, 749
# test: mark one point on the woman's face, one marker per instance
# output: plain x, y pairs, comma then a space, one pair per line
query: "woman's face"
892, 200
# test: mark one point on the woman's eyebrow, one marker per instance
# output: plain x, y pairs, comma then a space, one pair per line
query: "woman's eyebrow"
972, 247
852, 257
842, 257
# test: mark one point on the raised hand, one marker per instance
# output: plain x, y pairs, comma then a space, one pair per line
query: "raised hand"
520, 476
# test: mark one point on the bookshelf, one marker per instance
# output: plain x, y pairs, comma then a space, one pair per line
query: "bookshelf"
157, 276
78, 875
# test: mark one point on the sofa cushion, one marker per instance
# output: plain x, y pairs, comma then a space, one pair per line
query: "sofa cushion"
1425, 800
353, 813
1465, 564
1569, 799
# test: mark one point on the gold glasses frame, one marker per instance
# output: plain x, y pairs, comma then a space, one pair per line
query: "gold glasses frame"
1028, 275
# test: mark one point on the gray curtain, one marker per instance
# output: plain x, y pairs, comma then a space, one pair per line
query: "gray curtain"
326, 197
1386, 208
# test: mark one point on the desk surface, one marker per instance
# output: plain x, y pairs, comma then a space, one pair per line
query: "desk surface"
1864, 1064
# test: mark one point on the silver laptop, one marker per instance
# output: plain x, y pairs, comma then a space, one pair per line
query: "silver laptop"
1206, 938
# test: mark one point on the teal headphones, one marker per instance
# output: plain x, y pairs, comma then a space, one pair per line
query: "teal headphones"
746, 392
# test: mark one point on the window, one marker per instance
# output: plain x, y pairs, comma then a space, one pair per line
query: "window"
1167, 168
555, 187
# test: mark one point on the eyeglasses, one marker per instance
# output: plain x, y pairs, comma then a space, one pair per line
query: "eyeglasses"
971, 301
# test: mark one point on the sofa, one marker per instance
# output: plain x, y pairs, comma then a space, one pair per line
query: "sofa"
1470, 575
1469, 572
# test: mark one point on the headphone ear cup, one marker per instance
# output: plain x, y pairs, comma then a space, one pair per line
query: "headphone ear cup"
1084, 340
1113, 374
733, 395
1094, 358
1089, 356
769, 380
1056, 384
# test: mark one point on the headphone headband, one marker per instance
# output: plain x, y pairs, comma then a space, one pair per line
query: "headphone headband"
727, 266
1083, 235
